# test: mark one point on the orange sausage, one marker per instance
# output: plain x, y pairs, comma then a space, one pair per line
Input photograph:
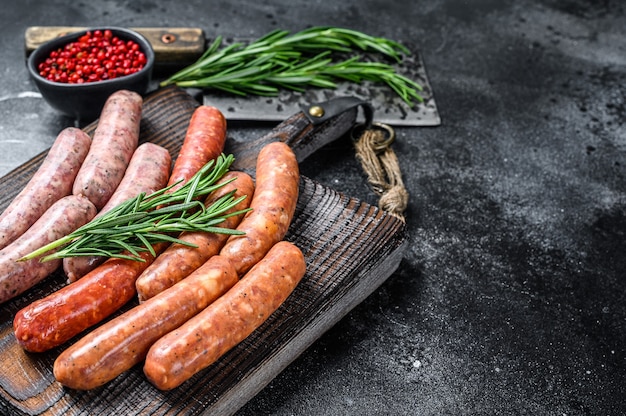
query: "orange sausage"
179, 260
204, 141
123, 342
200, 341
273, 207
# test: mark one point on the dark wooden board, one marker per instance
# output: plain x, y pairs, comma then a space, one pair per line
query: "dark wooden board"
350, 248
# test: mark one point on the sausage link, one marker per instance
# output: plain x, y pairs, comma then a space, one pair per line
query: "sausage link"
49, 322
201, 340
179, 260
204, 141
52, 180
273, 206
76, 267
148, 171
123, 342
115, 139
63, 217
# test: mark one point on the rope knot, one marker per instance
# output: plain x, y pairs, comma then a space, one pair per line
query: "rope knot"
373, 150
395, 201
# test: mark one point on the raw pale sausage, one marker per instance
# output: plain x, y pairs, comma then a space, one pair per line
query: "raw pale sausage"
148, 171
114, 141
62, 218
51, 182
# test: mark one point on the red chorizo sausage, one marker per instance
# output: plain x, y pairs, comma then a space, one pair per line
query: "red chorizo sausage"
63, 217
179, 260
123, 342
204, 141
148, 171
115, 139
273, 206
201, 340
49, 322
52, 181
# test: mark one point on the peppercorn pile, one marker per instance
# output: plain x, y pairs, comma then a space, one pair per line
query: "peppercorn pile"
95, 56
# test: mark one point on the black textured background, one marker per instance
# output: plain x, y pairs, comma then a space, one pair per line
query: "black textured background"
510, 299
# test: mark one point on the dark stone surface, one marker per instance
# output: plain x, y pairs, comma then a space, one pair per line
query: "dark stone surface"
511, 297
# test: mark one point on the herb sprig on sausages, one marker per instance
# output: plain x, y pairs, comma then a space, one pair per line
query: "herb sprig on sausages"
135, 225
294, 61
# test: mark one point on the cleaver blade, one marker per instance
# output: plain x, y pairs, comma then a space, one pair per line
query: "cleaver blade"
388, 107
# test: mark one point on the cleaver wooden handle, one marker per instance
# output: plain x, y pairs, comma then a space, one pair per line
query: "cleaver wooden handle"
172, 45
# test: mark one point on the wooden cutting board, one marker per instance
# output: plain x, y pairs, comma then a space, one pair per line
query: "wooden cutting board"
350, 248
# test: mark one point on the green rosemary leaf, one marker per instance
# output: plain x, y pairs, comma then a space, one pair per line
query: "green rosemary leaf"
297, 61
146, 243
220, 230
135, 225
124, 246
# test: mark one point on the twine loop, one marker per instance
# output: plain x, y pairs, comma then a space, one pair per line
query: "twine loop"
380, 164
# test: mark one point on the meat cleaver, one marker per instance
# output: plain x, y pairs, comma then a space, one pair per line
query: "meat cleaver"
177, 47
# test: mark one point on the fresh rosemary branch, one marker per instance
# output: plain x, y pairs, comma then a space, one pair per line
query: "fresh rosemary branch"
136, 225
304, 59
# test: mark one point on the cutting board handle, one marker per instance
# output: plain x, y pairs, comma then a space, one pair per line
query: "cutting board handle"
305, 132
319, 113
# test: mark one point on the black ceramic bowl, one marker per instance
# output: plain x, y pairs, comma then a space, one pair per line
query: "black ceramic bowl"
85, 101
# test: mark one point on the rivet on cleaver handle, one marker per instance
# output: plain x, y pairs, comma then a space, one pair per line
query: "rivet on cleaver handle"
304, 132
172, 45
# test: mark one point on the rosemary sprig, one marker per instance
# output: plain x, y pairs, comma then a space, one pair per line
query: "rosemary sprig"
304, 59
136, 225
